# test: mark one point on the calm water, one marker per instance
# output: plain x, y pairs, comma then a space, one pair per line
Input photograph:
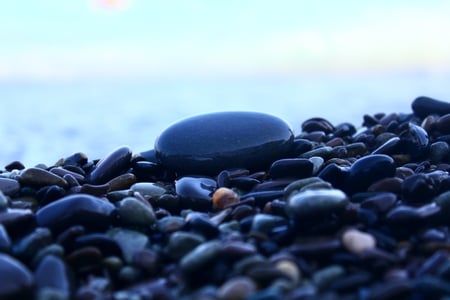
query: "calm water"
42, 122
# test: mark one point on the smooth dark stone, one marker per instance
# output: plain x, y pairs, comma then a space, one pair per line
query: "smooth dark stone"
9, 186
208, 144
334, 174
48, 194
16, 280
261, 198
380, 203
40, 177
18, 221
147, 171
367, 170
439, 152
195, 192
424, 106
391, 146
443, 124
113, 165
30, 244
344, 130
80, 209
419, 188
15, 165
52, 273
147, 260
291, 167
415, 141
200, 223
301, 146
103, 242
77, 159
317, 124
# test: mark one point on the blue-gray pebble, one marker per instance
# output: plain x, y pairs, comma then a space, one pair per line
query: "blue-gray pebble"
207, 144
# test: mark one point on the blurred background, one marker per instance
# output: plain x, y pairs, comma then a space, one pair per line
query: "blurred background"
91, 75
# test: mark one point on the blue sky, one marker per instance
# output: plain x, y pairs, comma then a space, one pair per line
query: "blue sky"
73, 39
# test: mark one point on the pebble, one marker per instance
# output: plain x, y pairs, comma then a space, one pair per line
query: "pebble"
79, 209
181, 242
129, 241
215, 147
223, 197
9, 187
113, 165
424, 106
148, 189
133, 212
195, 192
367, 170
40, 177
200, 258
51, 273
316, 203
17, 282
291, 167
357, 242
237, 288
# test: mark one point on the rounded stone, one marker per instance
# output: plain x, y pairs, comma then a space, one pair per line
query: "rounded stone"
357, 242
224, 196
424, 106
207, 144
113, 165
148, 189
16, 280
52, 273
78, 209
237, 288
135, 213
367, 170
316, 203
9, 186
200, 257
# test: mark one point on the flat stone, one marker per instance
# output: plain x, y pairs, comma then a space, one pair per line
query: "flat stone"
40, 177
424, 106
357, 242
79, 209
207, 144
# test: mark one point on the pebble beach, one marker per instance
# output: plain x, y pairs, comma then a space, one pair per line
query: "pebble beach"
238, 205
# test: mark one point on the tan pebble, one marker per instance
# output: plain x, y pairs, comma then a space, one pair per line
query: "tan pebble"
356, 241
237, 288
223, 197
290, 269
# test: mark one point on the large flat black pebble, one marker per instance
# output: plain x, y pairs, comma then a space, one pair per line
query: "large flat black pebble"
291, 167
207, 144
80, 209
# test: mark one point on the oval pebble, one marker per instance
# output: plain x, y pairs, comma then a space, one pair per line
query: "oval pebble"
357, 242
207, 144
200, 257
148, 189
17, 281
367, 170
312, 203
79, 209
51, 273
9, 186
113, 165
195, 192
134, 212
40, 177
223, 197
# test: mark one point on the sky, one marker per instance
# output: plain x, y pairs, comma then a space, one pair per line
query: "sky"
64, 40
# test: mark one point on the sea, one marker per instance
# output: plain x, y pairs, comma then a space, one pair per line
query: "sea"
43, 121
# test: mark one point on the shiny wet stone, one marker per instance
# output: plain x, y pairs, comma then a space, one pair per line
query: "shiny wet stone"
114, 164
367, 170
195, 192
80, 209
203, 145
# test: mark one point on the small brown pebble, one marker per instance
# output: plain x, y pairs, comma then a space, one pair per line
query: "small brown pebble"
357, 241
223, 197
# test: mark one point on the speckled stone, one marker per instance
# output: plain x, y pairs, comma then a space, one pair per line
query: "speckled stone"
207, 144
